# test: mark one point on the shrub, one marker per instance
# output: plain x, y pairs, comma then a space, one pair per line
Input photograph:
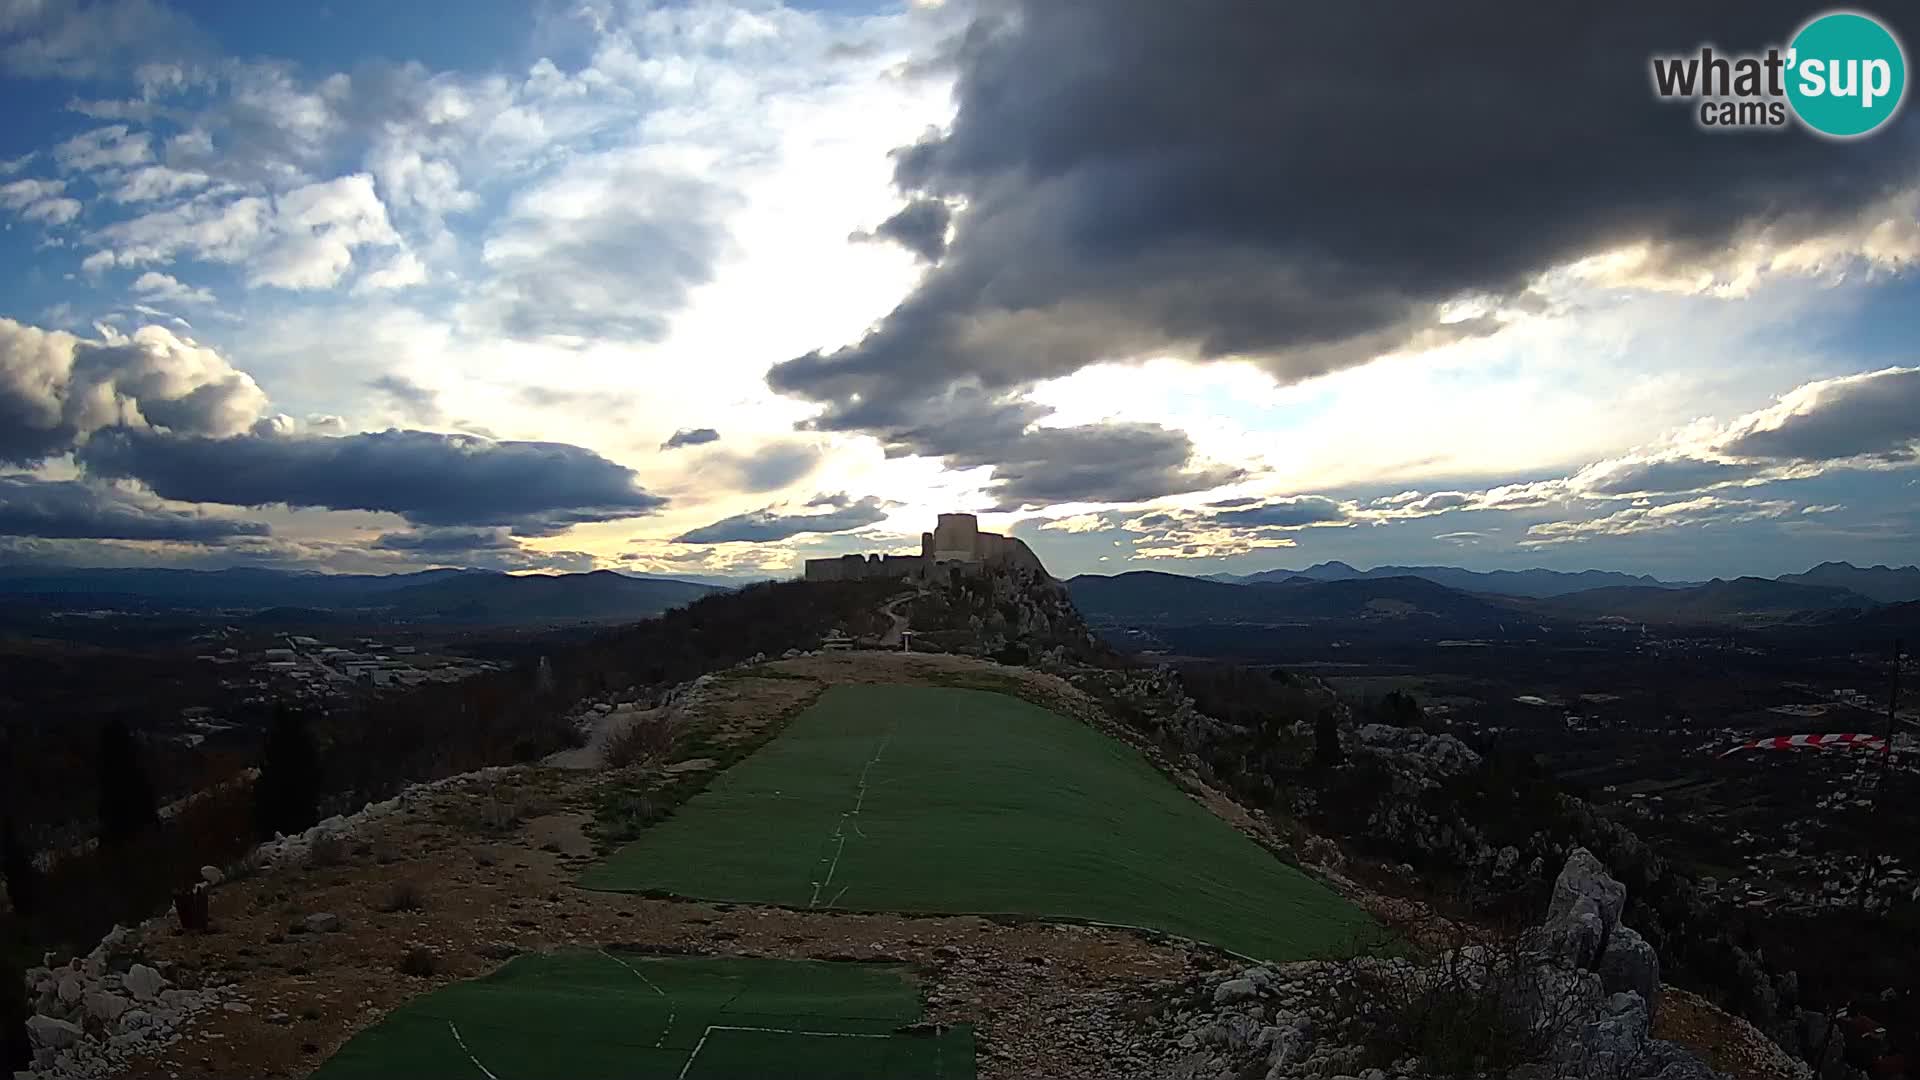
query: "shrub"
404, 896
329, 849
418, 962
643, 741
1487, 1005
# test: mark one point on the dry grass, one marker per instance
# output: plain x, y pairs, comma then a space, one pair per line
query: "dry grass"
644, 741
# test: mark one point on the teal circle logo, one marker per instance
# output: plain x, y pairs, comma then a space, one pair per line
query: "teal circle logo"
1846, 74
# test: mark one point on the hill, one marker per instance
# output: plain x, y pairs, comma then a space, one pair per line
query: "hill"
281, 596
506, 598
1150, 598
1531, 583
1716, 601
1886, 584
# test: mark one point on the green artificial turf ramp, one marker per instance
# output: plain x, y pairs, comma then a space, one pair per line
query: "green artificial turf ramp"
591, 1014
929, 799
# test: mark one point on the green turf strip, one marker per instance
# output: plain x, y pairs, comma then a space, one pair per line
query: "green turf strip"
969, 801
608, 1014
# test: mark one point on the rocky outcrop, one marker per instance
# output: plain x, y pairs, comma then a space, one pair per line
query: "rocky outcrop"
93, 1013
1574, 997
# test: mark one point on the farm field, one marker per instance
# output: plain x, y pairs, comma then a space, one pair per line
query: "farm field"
939, 800
588, 1014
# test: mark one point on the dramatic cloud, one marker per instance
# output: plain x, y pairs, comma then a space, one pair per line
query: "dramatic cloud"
1119, 463
447, 541
1661, 476
1296, 512
56, 389
920, 227
1872, 415
1222, 180
771, 523
69, 509
690, 437
427, 478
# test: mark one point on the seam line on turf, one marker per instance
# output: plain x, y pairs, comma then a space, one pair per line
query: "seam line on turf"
711, 1028
839, 829
484, 1071
672, 1013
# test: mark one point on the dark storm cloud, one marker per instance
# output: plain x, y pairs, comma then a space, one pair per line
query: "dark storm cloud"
1120, 463
690, 437
1298, 511
69, 509
1873, 414
1303, 185
761, 526
920, 227
408, 397
428, 478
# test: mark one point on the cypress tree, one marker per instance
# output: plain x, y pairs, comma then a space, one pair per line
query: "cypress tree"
22, 877
286, 797
127, 803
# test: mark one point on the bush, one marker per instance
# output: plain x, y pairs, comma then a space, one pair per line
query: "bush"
643, 741
404, 896
329, 849
1487, 1005
418, 962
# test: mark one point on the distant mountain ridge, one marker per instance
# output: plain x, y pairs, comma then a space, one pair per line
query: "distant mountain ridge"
1887, 584
1145, 596
1535, 583
1412, 601
435, 595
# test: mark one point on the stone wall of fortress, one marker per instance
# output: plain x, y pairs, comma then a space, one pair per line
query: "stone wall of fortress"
956, 542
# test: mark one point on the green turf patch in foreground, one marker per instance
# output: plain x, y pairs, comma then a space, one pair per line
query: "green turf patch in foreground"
928, 799
583, 1014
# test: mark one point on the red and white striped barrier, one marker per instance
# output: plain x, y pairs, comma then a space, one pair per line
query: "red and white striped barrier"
1816, 742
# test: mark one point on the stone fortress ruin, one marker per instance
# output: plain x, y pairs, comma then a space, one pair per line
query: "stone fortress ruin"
956, 545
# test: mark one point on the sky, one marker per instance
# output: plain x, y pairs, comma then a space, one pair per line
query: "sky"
711, 287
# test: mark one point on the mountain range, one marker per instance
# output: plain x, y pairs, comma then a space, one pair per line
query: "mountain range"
1463, 600
472, 596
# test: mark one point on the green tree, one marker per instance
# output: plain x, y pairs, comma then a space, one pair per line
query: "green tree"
286, 797
127, 804
17, 863
1326, 739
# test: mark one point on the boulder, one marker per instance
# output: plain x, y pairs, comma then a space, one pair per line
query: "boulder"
143, 982
106, 1007
71, 989
212, 875
1585, 878
1235, 990
1629, 963
50, 1034
321, 923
